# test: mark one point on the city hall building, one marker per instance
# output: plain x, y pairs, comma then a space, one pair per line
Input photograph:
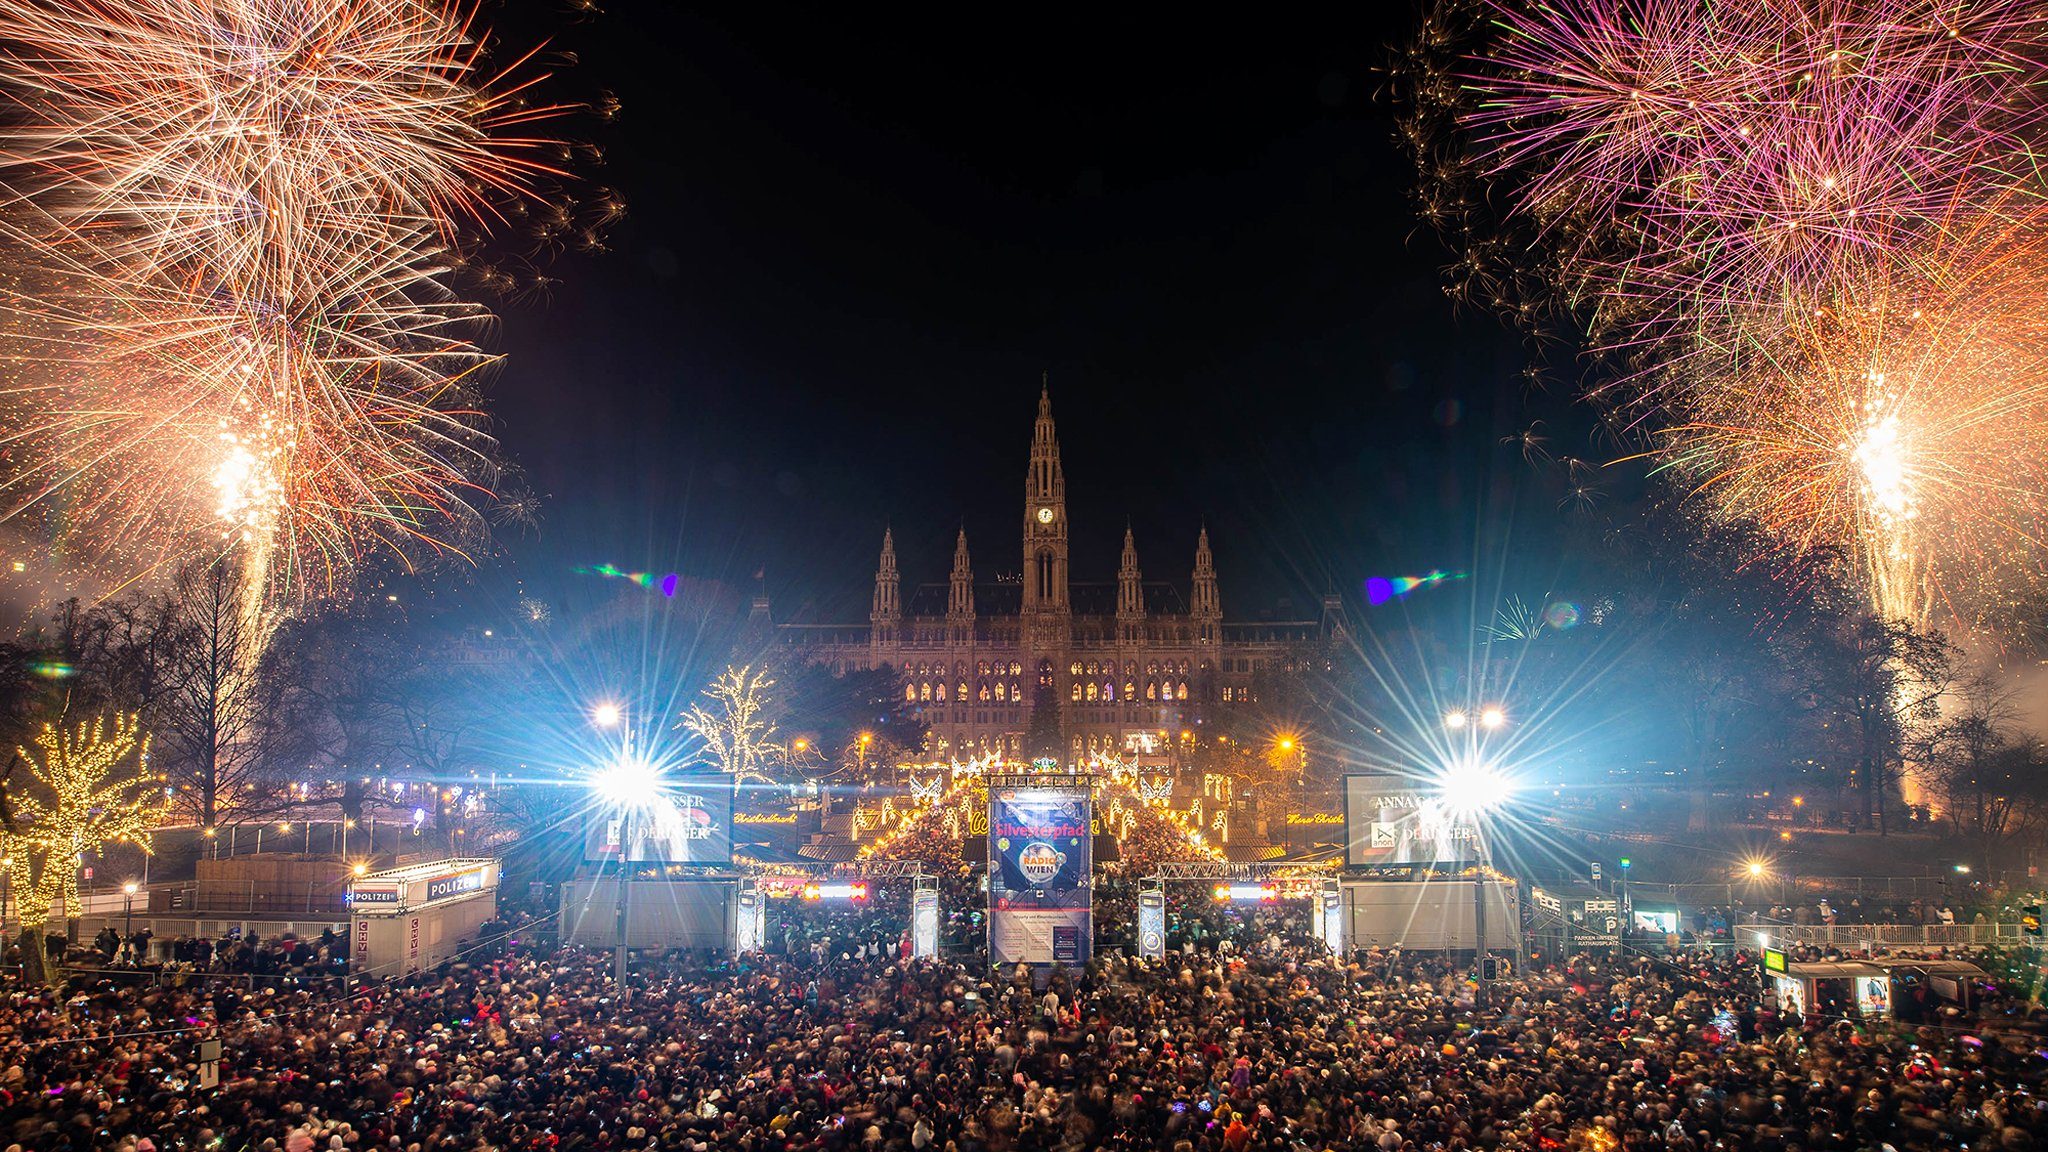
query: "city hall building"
1128, 664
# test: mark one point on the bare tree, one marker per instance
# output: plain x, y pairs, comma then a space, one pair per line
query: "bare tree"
228, 721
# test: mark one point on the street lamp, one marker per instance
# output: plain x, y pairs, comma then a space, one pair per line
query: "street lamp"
128, 891
1492, 717
1469, 789
607, 715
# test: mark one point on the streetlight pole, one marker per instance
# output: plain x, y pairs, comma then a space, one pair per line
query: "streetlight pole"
128, 919
608, 715
625, 900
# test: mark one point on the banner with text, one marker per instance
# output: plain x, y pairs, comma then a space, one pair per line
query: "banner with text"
1039, 869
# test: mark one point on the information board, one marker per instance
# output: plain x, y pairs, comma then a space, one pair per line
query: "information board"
1039, 893
1151, 925
924, 924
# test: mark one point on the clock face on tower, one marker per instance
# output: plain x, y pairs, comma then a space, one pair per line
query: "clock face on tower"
1045, 515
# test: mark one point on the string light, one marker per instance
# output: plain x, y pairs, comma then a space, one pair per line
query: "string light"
79, 801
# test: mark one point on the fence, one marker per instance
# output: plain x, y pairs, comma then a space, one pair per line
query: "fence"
1772, 889
243, 898
1853, 936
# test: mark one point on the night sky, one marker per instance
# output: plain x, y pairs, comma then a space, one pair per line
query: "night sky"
858, 237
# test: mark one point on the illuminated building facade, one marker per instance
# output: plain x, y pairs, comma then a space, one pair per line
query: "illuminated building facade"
1128, 664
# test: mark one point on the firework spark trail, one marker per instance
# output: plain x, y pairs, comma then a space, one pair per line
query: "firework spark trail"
1810, 239
228, 227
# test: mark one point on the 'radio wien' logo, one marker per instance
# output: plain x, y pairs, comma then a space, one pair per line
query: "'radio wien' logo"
1040, 862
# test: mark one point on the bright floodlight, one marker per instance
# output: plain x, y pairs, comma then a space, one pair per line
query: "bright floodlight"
1474, 787
1454, 719
1492, 718
627, 782
1757, 868
606, 715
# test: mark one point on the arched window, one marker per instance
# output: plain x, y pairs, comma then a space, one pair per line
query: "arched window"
1016, 692
983, 693
962, 694
999, 691
924, 691
982, 668
1109, 690
1152, 669
1092, 668
1181, 692
1016, 669
1074, 669
1075, 690
1130, 690
940, 695
1151, 690
910, 693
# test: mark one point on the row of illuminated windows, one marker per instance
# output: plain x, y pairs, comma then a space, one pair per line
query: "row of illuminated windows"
1106, 691
984, 668
1108, 668
922, 691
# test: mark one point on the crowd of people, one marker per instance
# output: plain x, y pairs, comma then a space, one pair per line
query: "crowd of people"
1242, 1042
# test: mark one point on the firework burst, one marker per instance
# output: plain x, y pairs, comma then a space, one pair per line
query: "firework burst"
229, 227
1805, 238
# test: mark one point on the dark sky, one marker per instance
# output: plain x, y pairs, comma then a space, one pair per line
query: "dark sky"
858, 236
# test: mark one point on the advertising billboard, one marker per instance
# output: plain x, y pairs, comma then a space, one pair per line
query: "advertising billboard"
1394, 823
689, 823
1039, 841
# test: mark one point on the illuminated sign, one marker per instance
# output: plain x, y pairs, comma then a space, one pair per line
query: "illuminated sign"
1391, 822
442, 887
1774, 960
377, 894
1247, 893
1299, 819
765, 818
854, 891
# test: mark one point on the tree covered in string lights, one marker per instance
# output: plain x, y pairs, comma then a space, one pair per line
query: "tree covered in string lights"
85, 787
736, 730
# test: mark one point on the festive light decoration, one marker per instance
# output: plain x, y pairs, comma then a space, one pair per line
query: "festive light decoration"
229, 232
77, 800
736, 736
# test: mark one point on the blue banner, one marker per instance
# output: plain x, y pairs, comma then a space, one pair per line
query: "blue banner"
1040, 862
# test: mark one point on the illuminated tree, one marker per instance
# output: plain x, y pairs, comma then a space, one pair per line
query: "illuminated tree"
77, 798
737, 735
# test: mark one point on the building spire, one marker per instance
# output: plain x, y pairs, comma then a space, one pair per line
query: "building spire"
960, 595
1207, 608
888, 610
1130, 590
1045, 517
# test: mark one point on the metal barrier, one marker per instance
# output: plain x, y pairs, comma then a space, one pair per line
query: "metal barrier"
1884, 935
243, 899
1793, 887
